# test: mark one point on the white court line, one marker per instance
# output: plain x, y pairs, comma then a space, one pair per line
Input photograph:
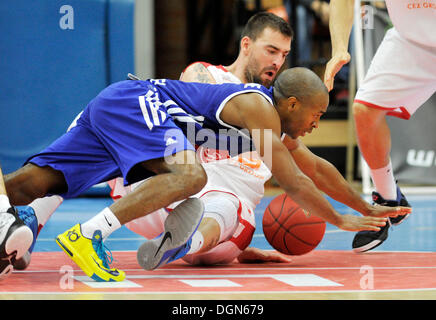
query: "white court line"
233, 269
100, 293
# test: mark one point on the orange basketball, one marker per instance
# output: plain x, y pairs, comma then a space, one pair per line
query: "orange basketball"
288, 229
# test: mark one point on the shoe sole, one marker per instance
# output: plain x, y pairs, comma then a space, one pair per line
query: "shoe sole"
402, 220
19, 242
181, 223
74, 255
372, 245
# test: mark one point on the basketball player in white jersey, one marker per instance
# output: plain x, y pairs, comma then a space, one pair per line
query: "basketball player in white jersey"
401, 77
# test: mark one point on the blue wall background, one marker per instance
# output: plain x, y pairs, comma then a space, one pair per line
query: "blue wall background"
49, 74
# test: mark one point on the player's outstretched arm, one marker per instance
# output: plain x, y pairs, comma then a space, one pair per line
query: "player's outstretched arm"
261, 119
329, 180
303, 191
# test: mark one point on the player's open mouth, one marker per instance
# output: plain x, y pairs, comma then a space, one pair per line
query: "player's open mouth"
270, 74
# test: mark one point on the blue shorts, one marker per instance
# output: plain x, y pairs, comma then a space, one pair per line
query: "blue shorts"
119, 129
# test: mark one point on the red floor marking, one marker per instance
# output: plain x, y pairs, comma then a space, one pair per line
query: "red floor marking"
390, 271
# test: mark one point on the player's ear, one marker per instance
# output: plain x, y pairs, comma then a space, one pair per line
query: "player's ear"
292, 103
245, 44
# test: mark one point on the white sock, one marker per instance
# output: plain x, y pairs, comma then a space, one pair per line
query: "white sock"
197, 242
4, 203
45, 207
105, 221
384, 182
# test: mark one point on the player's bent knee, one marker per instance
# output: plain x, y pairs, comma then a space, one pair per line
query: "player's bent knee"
31, 182
196, 176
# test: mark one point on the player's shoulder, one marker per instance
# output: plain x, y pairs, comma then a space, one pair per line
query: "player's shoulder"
197, 65
253, 102
198, 72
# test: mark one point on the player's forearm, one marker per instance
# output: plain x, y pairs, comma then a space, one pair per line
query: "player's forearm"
298, 185
304, 192
330, 180
340, 24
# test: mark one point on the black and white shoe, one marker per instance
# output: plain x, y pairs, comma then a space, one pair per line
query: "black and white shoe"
15, 240
367, 240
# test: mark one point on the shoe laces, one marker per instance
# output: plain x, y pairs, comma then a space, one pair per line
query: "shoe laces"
101, 249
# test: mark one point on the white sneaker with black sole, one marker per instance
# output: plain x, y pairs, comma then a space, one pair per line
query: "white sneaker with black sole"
15, 240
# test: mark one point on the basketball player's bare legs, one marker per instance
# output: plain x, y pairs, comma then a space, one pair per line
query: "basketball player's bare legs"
374, 140
373, 135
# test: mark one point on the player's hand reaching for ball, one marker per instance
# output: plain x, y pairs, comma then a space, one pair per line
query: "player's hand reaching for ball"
351, 222
255, 255
383, 211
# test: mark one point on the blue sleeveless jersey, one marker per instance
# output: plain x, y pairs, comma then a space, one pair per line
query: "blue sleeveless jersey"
196, 108
130, 122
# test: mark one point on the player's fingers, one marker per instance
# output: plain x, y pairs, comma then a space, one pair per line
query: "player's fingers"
329, 83
372, 224
394, 211
376, 221
403, 210
329, 76
281, 259
370, 228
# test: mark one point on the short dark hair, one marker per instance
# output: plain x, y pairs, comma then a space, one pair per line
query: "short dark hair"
262, 20
298, 82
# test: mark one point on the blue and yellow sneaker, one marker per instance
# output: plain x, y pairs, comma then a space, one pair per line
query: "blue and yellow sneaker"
175, 241
89, 254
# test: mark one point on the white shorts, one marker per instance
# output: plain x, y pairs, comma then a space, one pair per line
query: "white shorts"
237, 228
401, 77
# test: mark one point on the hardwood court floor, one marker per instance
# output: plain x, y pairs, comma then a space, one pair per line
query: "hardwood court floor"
404, 267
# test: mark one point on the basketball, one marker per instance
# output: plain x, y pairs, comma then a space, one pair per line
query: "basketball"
288, 229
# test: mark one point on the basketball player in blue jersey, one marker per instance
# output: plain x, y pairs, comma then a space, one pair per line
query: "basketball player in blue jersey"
133, 129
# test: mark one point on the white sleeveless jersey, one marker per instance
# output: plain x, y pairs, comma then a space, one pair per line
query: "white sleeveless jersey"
415, 20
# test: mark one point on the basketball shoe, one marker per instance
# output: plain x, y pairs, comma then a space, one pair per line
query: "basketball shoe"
175, 241
15, 240
367, 240
27, 215
89, 254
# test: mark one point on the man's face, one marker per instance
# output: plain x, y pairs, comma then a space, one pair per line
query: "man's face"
266, 56
302, 117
